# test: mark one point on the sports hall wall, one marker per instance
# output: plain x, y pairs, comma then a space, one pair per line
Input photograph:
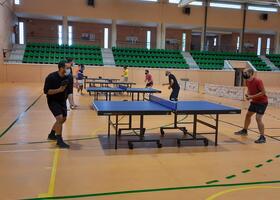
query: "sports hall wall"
7, 19
133, 11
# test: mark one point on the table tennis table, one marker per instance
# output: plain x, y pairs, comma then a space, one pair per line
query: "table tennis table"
98, 83
88, 80
108, 91
158, 106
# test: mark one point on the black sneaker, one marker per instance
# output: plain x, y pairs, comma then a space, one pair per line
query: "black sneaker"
52, 136
261, 140
63, 145
242, 132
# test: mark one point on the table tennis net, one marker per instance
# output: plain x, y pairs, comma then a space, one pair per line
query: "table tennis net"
163, 102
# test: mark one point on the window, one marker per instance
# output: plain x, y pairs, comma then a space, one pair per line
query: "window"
17, 2
215, 42
106, 38
263, 8
60, 33
238, 43
225, 5
174, 1
21, 33
259, 46
148, 45
188, 3
184, 42
267, 46
70, 35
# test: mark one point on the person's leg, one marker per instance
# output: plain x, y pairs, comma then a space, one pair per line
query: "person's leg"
247, 123
260, 123
52, 136
71, 101
59, 126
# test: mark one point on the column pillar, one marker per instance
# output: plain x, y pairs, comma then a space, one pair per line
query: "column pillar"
114, 34
277, 43
159, 36
163, 35
65, 30
242, 34
204, 29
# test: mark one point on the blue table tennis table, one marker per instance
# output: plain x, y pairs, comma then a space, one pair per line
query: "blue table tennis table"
159, 106
108, 91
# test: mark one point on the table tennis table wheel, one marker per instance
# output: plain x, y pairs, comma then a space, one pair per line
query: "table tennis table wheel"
130, 145
159, 145
161, 132
206, 142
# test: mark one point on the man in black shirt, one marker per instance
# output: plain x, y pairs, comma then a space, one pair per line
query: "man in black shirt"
174, 85
56, 89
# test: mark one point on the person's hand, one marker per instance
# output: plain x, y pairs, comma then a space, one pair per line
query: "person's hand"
62, 88
248, 97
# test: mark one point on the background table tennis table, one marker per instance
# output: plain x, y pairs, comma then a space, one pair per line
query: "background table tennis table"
159, 106
88, 79
98, 83
108, 91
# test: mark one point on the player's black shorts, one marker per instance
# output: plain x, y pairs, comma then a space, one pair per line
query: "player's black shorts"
58, 108
174, 94
149, 84
258, 108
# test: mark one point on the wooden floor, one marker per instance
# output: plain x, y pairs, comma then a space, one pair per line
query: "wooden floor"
32, 167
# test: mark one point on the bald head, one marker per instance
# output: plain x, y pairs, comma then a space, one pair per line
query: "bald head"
248, 73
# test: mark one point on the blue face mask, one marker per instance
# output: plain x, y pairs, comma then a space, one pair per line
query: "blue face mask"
67, 72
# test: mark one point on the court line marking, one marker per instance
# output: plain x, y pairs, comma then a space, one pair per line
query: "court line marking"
20, 116
156, 190
214, 196
51, 189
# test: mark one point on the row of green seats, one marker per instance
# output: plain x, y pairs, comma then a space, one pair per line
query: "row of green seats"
55, 60
27, 54
223, 53
155, 60
50, 45
224, 58
145, 54
144, 50
64, 51
169, 62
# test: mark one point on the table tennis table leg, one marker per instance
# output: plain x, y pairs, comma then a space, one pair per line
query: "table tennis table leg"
217, 130
194, 126
116, 135
109, 126
138, 96
132, 96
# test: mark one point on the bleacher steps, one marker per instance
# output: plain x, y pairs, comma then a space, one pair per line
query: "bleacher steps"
269, 63
190, 61
108, 57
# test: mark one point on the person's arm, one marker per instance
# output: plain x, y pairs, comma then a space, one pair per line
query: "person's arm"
260, 94
49, 91
56, 91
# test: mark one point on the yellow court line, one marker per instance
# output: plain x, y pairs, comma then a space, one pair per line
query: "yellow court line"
214, 196
51, 189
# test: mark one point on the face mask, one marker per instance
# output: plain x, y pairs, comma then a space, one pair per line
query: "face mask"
67, 72
246, 76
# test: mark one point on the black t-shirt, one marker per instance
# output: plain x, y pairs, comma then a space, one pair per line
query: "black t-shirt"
174, 80
53, 81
